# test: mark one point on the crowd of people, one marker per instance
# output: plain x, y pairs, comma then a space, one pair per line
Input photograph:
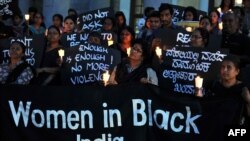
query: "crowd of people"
142, 63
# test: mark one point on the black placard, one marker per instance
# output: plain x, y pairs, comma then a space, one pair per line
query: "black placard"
91, 21
8, 7
86, 63
34, 49
182, 65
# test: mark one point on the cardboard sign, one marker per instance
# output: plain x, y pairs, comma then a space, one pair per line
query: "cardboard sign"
91, 21
86, 63
35, 46
182, 65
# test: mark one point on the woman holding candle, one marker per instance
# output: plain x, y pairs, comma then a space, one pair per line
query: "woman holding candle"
48, 73
127, 37
134, 68
229, 85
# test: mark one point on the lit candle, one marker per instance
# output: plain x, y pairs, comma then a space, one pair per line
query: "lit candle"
128, 51
105, 77
219, 9
189, 29
110, 42
238, 2
221, 26
158, 51
198, 82
61, 53
27, 17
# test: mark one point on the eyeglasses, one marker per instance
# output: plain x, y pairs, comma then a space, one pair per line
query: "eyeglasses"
136, 50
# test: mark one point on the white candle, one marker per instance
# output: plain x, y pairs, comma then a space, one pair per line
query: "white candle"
198, 82
105, 77
61, 53
158, 51
128, 51
189, 29
219, 9
110, 42
221, 26
27, 17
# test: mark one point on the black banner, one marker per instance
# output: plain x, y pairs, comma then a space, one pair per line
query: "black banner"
122, 113
182, 65
86, 63
35, 46
91, 21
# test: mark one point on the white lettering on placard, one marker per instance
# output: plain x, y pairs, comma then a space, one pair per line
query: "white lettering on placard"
87, 78
101, 14
186, 89
103, 138
162, 118
174, 75
72, 119
183, 38
182, 54
208, 56
95, 48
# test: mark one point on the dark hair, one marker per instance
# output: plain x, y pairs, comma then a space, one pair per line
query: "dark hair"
32, 9
206, 17
71, 18
41, 14
110, 18
148, 11
19, 43
72, 10
59, 16
234, 59
166, 6
204, 34
57, 29
17, 14
193, 11
130, 30
230, 6
154, 14
143, 47
120, 13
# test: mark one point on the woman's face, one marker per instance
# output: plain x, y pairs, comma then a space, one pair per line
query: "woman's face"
214, 17
16, 51
69, 25
189, 16
126, 36
136, 52
57, 22
205, 23
38, 19
107, 25
53, 35
196, 39
120, 20
228, 71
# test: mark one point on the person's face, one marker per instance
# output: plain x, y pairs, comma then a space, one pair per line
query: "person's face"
166, 17
205, 24
57, 22
107, 25
16, 51
17, 20
69, 25
148, 24
227, 2
136, 52
120, 20
230, 24
53, 35
189, 16
126, 36
155, 23
228, 71
38, 19
214, 17
196, 39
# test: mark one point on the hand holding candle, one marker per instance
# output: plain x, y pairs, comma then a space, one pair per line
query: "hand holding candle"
61, 53
128, 51
158, 51
110, 42
105, 77
198, 82
27, 17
